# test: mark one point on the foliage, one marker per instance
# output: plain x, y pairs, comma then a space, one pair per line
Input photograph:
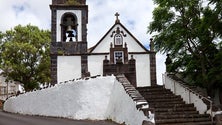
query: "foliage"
72, 2
25, 55
190, 31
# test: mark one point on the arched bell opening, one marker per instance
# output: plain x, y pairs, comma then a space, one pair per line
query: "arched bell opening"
69, 27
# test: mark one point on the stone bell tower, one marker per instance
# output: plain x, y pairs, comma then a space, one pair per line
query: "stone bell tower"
68, 48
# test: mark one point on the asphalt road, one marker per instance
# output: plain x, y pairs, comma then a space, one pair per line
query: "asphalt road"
15, 119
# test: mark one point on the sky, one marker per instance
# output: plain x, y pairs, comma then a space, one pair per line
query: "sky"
134, 15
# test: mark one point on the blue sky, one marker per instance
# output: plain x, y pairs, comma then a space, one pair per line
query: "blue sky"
134, 15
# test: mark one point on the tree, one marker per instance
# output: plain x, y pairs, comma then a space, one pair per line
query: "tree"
25, 55
190, 31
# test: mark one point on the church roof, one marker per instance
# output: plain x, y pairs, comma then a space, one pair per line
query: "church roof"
117, 22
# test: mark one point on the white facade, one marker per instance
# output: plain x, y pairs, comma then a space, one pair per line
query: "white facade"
140, 54
142, 69
95, 64
69, 67
104, 45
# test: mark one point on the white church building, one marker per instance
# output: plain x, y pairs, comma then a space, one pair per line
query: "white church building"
117, 52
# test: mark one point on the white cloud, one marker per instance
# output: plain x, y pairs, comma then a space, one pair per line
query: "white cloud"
24, 12
134, 15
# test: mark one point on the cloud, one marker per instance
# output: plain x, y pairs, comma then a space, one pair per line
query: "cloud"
18, 8
24, 12
134, 15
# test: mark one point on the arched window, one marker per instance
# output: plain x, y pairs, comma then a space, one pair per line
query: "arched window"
69, 27
118, 39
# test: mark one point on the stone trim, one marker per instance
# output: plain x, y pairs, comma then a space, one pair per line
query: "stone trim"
142, 52
125, 54
84, 16
68, 48
53, 69
129, 69
153, 79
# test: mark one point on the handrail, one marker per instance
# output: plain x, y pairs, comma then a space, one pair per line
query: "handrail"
164, 76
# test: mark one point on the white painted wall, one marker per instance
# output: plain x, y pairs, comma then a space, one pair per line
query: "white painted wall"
69, 67
142, 60
142, 69
95, 67
101, 98
122, 108
188, 95
95, 64
78, 14
104, 46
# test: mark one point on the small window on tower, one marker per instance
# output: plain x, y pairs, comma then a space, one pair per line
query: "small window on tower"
118, 39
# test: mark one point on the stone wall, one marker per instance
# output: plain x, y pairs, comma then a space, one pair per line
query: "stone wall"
129, 70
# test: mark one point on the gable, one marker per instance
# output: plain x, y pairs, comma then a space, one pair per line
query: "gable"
104, 44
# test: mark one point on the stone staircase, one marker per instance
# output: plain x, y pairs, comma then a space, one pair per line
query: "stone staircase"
170, 109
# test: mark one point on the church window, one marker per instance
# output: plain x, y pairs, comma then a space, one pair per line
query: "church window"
118, 39
118, 56
69, 27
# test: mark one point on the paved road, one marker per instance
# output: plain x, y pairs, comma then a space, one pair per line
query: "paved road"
15, 119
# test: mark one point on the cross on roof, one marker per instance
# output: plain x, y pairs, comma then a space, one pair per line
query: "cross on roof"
117, 17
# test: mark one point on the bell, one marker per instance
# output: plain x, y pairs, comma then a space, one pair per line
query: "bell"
69, 28
69, 31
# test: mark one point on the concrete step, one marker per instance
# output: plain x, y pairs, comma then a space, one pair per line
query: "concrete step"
182, 120
177, 113
175, 102
166, 101
175, 116
170, 109
164, 92
160, 95
169, 95
152, 90
178, 109
150, 87
173, 105
187, 123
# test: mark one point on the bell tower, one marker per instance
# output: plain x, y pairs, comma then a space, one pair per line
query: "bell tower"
69, 20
